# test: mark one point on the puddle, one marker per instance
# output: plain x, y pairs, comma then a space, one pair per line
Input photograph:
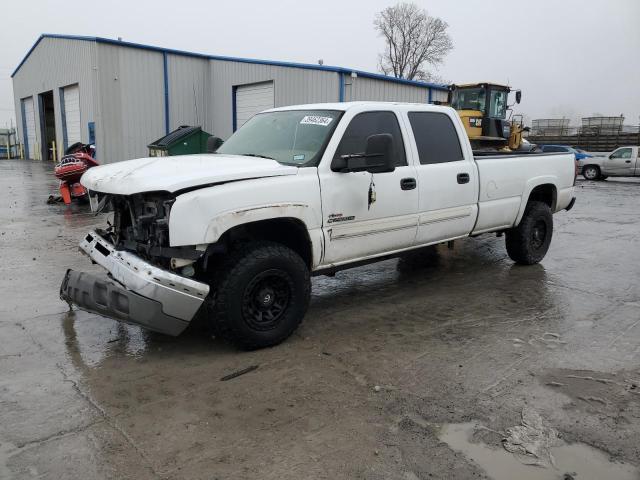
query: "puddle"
581, 461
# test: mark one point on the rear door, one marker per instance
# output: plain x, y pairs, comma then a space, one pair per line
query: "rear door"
447, 181
367, 214
620, 163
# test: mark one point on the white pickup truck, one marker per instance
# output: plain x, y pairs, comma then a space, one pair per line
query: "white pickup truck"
298, 191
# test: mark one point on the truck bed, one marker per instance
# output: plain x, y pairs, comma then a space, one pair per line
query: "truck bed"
507, 178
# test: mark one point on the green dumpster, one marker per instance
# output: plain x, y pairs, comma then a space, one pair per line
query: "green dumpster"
182, 141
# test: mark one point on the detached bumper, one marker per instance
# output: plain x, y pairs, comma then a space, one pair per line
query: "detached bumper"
136, 292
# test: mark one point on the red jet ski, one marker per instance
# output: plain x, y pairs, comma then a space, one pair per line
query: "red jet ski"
78, 159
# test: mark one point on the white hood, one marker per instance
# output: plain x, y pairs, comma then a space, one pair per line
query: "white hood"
171, 174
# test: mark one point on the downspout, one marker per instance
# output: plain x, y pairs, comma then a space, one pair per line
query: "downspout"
341, 87
429, 95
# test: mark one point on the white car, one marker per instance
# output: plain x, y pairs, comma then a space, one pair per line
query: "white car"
622, 162
301, 191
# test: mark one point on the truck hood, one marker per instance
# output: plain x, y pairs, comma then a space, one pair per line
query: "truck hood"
172, 174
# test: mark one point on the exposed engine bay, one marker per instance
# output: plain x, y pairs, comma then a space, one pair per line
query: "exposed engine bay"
141, 225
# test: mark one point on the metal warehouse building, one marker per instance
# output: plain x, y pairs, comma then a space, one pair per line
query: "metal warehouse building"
123, 95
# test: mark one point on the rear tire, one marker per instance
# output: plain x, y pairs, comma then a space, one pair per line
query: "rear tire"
529, 242
260, 295
591, 172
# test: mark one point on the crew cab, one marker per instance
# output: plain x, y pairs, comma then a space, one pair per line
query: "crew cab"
234, 236
622, 162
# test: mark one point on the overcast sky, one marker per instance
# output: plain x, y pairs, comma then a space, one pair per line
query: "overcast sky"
569, 57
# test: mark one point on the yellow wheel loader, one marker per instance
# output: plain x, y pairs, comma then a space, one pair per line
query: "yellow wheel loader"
483, 110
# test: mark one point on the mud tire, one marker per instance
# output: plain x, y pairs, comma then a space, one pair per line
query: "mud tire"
252, 276
529, 242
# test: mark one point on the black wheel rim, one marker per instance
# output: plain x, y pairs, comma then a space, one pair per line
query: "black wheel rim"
538, 234
266, 299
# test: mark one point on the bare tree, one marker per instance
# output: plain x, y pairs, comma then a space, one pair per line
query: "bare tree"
413, 40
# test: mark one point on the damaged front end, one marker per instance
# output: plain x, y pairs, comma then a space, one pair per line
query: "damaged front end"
148, 282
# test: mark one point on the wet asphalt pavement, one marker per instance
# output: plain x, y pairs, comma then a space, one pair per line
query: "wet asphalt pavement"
448, 336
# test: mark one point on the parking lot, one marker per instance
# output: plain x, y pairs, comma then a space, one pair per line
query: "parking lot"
389, 357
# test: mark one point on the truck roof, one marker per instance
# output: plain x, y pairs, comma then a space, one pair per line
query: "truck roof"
344, 106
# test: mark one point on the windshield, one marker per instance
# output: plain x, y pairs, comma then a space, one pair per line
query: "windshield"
498, 104
468, 99
292, 137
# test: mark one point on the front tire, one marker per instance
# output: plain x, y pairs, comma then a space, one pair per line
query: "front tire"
591, 172
529, 242
260, 295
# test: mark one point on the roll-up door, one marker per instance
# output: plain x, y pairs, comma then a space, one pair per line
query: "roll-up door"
252, 99
29, 124
71, 97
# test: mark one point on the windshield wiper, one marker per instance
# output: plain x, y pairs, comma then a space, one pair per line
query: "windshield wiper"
256, 155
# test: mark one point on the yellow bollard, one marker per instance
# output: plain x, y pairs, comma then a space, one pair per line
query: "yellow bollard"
21, 149
55, 152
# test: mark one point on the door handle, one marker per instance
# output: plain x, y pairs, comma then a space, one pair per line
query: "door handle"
627, 161
463, 178
408, 183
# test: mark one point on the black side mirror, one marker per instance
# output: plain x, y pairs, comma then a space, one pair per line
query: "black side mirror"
518, 96
213, 144
377, 158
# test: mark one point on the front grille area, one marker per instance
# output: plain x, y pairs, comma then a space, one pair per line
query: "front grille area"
141, 223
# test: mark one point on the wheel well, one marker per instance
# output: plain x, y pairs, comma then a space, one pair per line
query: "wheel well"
544, 193
290, 232
597, 167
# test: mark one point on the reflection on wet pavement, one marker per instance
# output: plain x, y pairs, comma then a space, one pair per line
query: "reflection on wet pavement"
576, 460
448, 336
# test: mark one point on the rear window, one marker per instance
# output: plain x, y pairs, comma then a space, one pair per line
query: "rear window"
436, 137
553, 148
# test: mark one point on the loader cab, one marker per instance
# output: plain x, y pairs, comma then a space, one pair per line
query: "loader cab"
483, 110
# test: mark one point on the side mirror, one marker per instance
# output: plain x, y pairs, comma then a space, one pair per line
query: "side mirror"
213, 144
518, 96
377, 158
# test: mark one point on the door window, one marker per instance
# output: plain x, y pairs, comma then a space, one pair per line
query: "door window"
436, 137
622, 153
364, 125
498, 104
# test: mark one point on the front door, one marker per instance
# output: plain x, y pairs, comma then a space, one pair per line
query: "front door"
620, 163
366, 214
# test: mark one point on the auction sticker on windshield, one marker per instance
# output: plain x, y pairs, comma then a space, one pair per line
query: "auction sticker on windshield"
315, 120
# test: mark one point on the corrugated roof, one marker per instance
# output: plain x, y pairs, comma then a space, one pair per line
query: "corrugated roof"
308, 66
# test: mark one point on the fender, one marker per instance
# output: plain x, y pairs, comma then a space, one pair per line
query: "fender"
202, 216
225, 221
528, 188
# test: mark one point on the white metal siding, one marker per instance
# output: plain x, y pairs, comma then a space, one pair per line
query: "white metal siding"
362, 88
292, 86
30, 124
53, 64
252, 99
71, 97
131, 101
188, 87
439, 95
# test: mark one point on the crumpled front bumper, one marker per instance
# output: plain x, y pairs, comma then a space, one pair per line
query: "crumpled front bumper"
136, 292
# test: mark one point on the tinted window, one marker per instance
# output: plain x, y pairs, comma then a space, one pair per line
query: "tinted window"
436, 137
552, 148
364, 125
